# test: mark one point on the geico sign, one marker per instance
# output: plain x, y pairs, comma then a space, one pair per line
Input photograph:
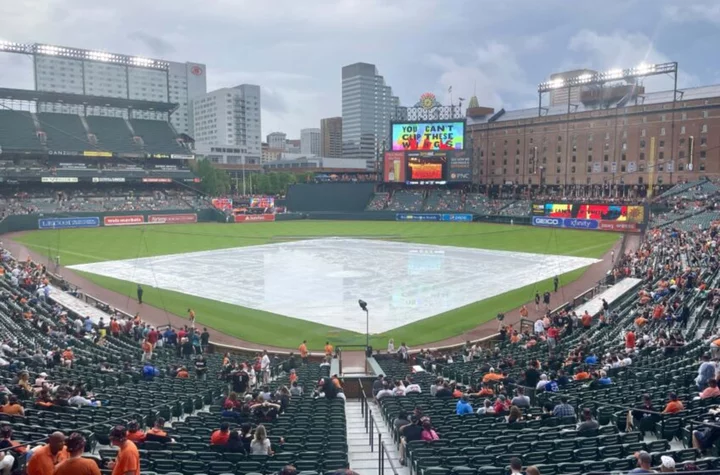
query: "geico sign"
547, 221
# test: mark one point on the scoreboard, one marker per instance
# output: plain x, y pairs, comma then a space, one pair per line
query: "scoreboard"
602, 217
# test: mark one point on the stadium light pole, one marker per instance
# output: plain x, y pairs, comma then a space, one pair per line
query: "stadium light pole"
363, 306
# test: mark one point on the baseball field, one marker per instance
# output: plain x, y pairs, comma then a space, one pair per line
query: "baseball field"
135, 245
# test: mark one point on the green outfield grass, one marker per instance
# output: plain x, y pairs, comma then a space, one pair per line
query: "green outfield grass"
78, 246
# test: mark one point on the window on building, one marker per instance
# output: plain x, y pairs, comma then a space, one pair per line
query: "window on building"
704, 129
705, 114
589, 169
661, 144
703, 153
589, 158
605, 169
661, 155
681, 153
574, 158
642, 143
606, 158
559, 149
703, 140
702, 166
683, 116
662, 131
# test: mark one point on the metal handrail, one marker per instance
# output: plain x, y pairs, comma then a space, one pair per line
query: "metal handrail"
371, 426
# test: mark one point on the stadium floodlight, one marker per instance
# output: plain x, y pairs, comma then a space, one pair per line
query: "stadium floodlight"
641, 70
13, 47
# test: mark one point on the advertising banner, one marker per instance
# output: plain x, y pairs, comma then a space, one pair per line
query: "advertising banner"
394, 167
108, 179
96, 153
123, 220
547, 222
597, 212
68, 223
459, 166
426, 168
59, 179
172, 218
440, 135
157, 180
618, 226
433, 217
254, 218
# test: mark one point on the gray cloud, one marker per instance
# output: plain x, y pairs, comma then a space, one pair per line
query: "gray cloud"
295, 49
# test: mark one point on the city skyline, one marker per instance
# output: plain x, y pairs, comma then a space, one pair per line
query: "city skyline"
478, 54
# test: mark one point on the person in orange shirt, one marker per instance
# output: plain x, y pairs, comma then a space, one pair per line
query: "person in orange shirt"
582, 375
183, 373
303, 351
134, 433
115, 327
524, 311
293, 376
147, 349
68, 356
640, 321
586, 320
221, 436
128, 458
328, 349
13, 407
159, 428
45, 458
674, 405
492, 376
191, 316
486, 390
76, 464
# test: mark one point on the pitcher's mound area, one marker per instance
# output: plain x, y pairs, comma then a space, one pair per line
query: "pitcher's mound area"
321, 280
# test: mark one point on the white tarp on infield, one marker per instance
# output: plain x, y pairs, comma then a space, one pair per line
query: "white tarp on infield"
321, 280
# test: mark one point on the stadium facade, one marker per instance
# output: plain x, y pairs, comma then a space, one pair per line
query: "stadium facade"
78, 71
626, 137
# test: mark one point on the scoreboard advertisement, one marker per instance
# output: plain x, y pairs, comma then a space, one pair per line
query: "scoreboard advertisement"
426, 168
433, 135
602, 217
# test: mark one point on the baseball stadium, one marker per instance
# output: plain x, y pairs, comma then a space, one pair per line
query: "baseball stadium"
491, 296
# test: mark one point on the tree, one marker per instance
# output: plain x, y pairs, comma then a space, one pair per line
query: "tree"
215, 182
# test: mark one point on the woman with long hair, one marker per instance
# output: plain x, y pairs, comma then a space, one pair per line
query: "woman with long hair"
260, 444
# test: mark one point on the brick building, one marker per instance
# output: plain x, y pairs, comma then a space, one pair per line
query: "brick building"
644, 140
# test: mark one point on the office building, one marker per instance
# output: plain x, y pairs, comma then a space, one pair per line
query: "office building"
229, 117
331, 137
368, 106
293, 146
98, 73
277, 140
310, 141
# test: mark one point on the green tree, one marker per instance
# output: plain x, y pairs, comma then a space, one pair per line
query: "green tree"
215, 182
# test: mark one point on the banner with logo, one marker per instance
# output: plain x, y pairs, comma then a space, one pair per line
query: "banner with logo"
459, 169
254, 218
69, 223
108, 179
123, 220
172, 218
157, 180
59, 179
446, 217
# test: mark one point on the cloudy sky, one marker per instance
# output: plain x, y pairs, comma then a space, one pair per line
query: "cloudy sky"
295, 49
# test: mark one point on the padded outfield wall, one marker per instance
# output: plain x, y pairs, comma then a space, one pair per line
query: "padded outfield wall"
329, 197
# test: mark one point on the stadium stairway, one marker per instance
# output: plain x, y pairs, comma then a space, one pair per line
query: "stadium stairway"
361, 456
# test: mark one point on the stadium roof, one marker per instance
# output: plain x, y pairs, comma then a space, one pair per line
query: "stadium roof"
688, 94
100, 101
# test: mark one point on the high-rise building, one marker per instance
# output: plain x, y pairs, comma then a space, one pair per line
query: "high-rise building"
98, 73
229, 116
310, 141
331, 137
559, 97
292, 146
368, 106
277, 140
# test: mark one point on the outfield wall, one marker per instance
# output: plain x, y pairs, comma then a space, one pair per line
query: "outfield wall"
332, 197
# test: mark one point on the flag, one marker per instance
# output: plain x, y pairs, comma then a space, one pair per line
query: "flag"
450, 89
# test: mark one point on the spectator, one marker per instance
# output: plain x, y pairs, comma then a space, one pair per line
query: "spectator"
134, 433
428, 433
220, 436
644, 463
564, 409
128, 457
463, 406
260, 444
13, 407
486, 408
710, 391
667, 463
520, 400
588, 423
515, 415
201, 367
44, 459
515, 466
235, 443
674, 405
75, 464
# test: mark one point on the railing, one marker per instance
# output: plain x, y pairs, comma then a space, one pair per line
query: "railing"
371, 426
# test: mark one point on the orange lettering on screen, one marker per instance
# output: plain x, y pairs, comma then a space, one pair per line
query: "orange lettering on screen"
426, 171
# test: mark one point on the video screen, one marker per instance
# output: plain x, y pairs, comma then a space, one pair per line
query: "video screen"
426, 168
598, 212
447, 135
394, 167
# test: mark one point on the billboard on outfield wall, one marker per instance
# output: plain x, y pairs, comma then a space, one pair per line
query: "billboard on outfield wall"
123, 220
601, 216
394, 167
69, 223
172, 218
254, 218
428, 135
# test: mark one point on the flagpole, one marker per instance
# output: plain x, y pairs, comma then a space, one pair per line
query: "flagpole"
452, 106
